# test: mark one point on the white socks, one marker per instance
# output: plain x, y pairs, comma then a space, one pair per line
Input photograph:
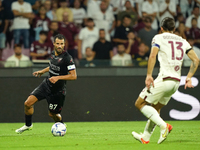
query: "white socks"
148, 130
153, 115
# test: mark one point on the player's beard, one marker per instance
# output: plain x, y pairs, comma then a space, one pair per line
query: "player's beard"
18, 54
121, 52
102, 38
59, 50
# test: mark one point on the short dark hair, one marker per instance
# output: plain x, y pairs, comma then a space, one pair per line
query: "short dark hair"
195, 7
194, 18
179, 15
126, 16
148, 19
17, 45
42, 6
120, 44
101, 30
60, 37
142, 43
43, 32
127, 1
62, 1
90, 20
131, 31
168, 24
54, 22
87, 48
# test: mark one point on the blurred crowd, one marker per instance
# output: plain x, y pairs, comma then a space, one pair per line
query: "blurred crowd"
96, 31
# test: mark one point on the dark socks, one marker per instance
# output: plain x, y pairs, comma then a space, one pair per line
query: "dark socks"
28, 120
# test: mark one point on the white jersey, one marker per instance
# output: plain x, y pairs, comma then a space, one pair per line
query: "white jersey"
20, 22
172, 49
88, 37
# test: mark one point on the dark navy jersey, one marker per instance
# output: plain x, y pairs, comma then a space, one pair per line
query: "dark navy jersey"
58, 66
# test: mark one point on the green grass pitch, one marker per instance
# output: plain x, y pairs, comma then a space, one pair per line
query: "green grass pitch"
99, 136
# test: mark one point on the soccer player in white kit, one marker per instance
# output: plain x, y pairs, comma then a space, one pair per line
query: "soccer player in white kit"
170, 49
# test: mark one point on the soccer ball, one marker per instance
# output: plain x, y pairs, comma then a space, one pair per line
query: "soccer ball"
58, 129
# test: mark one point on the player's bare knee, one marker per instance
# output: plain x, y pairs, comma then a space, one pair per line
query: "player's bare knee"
140, 103
136, 104
27, 104
31, 100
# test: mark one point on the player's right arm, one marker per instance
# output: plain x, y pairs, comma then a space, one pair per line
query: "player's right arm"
193, 67
40, 72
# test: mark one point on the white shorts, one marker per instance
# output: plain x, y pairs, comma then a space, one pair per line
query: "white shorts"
161, 92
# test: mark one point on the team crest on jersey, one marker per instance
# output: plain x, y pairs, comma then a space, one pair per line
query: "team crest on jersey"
176, 68
153, 41
59, 59
71, 61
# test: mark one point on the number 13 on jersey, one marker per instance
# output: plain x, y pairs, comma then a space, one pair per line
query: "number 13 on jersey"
178, 46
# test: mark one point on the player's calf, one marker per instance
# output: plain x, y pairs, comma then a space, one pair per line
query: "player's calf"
56, 117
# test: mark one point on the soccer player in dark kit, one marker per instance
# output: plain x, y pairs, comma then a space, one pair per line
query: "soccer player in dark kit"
53, 88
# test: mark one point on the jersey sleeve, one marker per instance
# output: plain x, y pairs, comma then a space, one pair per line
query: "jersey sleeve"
144, 7
70, 64
14, 6
156, 42
187, 47
81, 34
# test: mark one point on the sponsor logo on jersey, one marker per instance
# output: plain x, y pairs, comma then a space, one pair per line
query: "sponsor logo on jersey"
176, 68
153, 41
54, 67
59, 59
71, 60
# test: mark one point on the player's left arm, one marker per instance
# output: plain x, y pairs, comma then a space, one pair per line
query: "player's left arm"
151, 64
40, 72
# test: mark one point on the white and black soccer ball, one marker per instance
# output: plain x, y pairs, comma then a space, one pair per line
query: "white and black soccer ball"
58, 129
